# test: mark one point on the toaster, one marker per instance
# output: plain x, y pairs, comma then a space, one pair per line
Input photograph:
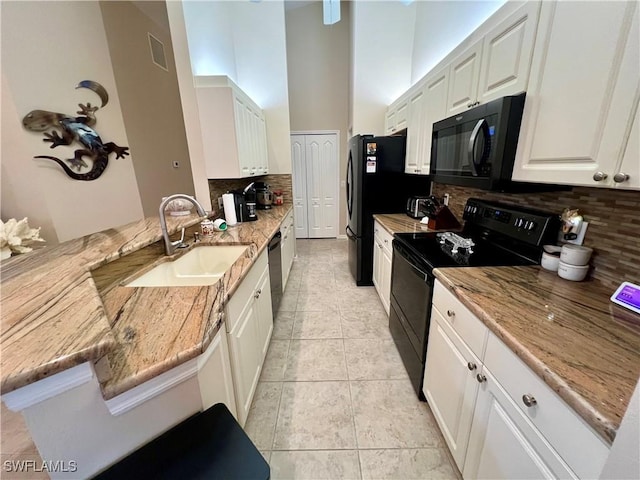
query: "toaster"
417, 207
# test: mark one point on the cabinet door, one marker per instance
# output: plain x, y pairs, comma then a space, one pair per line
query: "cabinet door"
450, 386
504, 444
264, 154
463, 80
246, 348
402, 114
414, 131
264, 313
385, 278
434, 109
390, 121
377, 253
242, 135
506, 54
214, 374
630, 165
578, 105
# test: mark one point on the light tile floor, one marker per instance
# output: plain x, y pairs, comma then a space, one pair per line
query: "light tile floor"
334, 400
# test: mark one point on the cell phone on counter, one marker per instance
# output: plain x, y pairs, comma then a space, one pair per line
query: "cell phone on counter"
628, 296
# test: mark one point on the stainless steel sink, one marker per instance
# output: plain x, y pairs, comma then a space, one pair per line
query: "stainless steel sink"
204, 265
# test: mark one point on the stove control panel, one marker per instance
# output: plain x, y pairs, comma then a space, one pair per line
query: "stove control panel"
531, 226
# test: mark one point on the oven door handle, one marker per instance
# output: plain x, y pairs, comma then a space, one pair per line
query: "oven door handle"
411, 261
472, 145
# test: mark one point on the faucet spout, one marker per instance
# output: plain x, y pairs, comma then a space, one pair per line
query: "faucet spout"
169, 246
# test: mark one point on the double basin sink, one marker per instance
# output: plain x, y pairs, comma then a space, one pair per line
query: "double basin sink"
202, 266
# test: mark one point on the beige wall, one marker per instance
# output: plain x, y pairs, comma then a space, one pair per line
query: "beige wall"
150, 101
318, 72
47, 48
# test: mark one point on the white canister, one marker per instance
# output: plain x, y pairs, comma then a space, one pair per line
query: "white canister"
575, 254
574, 273
220, 225
207, 228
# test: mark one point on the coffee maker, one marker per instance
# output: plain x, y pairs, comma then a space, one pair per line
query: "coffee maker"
245, 202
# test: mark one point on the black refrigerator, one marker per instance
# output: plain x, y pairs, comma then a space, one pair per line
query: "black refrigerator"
376, 183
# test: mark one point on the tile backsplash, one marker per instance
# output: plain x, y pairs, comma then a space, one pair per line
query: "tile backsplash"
613, 216
217, 187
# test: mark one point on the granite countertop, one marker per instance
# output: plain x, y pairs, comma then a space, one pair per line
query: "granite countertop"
584, 347
401, 223
64, 305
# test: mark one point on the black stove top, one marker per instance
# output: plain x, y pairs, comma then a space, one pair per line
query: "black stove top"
500, 235
427, 249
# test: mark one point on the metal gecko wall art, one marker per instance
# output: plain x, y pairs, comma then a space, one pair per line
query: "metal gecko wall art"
77, 129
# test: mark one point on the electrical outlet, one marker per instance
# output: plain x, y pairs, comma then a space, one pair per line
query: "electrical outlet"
446, 199
580, 235
175, 163
219, 202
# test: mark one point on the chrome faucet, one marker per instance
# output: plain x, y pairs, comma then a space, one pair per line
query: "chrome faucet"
169, 246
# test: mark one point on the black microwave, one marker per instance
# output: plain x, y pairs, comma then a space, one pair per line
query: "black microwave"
477, 148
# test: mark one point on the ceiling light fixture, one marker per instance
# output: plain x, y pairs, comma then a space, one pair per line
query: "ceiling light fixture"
331, 11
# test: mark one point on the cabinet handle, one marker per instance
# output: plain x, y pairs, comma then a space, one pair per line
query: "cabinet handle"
451, 313
469, 105
529, 400
599, 176
481, 378
257, 295
471, 366
620, 177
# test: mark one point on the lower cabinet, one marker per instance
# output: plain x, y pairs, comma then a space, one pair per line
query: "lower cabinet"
249, 328
499, 419
214, 374
382, 256
287, 247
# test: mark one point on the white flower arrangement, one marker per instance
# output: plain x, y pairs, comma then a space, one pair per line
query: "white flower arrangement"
15, 236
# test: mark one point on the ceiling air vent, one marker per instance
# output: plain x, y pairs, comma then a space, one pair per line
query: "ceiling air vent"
157, 52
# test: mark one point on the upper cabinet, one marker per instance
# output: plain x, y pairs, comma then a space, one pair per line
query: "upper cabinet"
397, 115
234, 134
496, 65
580, 123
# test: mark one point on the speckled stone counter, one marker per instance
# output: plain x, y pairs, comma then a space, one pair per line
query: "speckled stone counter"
401, 223
584, 347
61, 309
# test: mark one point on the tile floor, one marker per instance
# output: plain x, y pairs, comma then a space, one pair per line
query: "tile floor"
334, 400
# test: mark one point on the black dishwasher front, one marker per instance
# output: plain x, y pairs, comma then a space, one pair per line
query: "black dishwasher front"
275, 271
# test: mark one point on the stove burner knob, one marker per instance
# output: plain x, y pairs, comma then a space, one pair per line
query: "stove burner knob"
531, 226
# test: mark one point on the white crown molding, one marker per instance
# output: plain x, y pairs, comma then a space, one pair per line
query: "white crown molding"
49, 387
152, 388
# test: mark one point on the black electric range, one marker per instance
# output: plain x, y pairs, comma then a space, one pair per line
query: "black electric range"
494, 234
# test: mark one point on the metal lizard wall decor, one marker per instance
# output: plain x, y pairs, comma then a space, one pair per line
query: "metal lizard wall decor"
78, 129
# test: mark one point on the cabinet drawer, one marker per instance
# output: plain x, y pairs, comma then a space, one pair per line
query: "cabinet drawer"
571, 437
383, 236
465, 323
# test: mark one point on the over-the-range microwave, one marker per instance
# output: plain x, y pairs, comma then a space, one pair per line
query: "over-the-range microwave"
477, 148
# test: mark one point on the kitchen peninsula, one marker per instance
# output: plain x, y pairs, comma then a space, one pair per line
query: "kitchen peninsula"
73, 336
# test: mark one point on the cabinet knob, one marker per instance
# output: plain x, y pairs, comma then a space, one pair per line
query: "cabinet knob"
620, 177
257, 295
471, 366
529, 400
599, 176
451, 313
481, 378
469, 105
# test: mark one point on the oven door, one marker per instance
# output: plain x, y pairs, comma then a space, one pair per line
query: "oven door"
411, 293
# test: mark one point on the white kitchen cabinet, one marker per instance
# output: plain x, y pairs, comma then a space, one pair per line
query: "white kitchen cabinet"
214, 374
397, 115
382, 260
249, 327
434, 109
233, 126
582, 96
450, 386
287, 247
504, 445
495, 66
463, 80
413, 158
499, 419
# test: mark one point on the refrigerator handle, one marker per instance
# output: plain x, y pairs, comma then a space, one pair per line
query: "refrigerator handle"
349, 232
349, 184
